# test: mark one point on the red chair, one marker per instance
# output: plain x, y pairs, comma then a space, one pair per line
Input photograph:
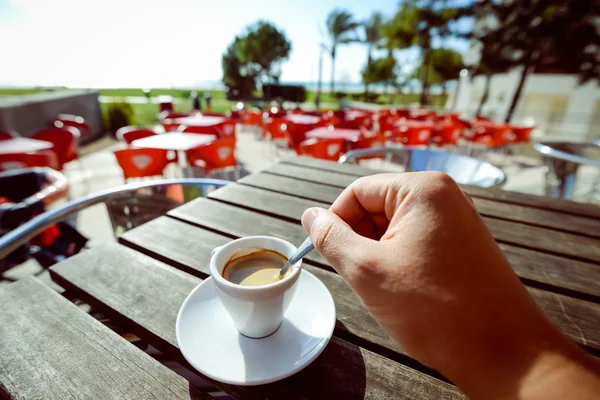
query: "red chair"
219, 154
212, 114
326, 149
75, 121
447, 133
6, 135
251, 117
44, 158
367, 143
168, 119
140, 163
412, 136
491, 135
520, 134
128, 134
226, 129
64, 140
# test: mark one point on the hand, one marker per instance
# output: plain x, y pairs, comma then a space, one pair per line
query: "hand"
416, 252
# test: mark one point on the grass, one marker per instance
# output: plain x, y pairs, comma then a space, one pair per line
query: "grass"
145, 113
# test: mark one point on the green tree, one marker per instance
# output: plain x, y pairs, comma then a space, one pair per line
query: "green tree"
264, 47
381, 70
254, 55
373, 36
447, 64
418, 23
238, 77
341, 28
558, 36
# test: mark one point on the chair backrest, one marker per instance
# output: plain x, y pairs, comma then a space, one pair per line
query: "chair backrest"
521, 134
226, 129
326, 149
276, 128
6, 135
215, 155
64, 140
171, 114
462, 169
447, 133
75, 121
140, 163
128, 134
44, 158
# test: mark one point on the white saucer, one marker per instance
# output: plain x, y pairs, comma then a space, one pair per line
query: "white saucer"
211, 344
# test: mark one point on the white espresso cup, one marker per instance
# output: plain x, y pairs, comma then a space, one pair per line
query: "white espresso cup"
256, 311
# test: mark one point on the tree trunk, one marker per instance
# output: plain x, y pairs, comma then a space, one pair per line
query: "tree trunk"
369, 62
486, 94
332, 70
515, 100
425, 79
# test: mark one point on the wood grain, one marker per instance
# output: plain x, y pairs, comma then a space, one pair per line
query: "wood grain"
127, 285
578, 278
298, 188
247, 222
539, 238
512, 212
52, 350
544, 203
184, 246
236, 222
270, 203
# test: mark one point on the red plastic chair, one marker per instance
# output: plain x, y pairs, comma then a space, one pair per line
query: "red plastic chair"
198, 130
64, 140
226, 129
412, 136
128, 134
252, 117
216, 155
75, 121
520, 134
6, 135
367, 143
140, 163
44, 158
326, 149
447, 133
491, 136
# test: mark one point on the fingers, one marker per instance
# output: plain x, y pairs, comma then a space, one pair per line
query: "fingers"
333, 238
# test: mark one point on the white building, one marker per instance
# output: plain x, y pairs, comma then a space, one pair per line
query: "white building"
556, 103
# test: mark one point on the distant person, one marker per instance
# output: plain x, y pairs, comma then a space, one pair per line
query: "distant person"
208, 101
417, 253
196, 102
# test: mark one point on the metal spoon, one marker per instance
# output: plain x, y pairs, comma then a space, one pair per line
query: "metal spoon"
303, 250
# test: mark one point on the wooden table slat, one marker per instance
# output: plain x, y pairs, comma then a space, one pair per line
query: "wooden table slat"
498, 209
548, 269
563, 206
343, 370
238, 222
552, 241
52, 350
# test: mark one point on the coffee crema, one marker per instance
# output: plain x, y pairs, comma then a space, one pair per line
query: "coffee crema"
257, 268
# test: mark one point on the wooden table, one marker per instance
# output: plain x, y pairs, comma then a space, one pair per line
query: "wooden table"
23, 145
48, 346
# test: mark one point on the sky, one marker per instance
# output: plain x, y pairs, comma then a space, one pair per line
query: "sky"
166, 43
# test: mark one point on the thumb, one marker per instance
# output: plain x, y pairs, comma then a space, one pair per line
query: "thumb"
332, 237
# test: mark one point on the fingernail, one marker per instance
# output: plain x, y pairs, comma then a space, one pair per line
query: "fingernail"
309, 217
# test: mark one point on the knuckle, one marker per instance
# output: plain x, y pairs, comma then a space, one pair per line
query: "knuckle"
439, 185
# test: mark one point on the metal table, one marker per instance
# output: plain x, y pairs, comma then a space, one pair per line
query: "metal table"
52, 349
562, 160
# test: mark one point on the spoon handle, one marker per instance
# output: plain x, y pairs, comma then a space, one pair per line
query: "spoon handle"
303, 250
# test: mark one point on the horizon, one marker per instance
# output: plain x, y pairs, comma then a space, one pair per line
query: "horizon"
131, 44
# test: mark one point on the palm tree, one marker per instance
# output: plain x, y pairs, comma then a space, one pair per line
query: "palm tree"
341, 27
373, 28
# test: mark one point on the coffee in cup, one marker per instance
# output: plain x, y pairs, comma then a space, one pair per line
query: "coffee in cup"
254, 267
